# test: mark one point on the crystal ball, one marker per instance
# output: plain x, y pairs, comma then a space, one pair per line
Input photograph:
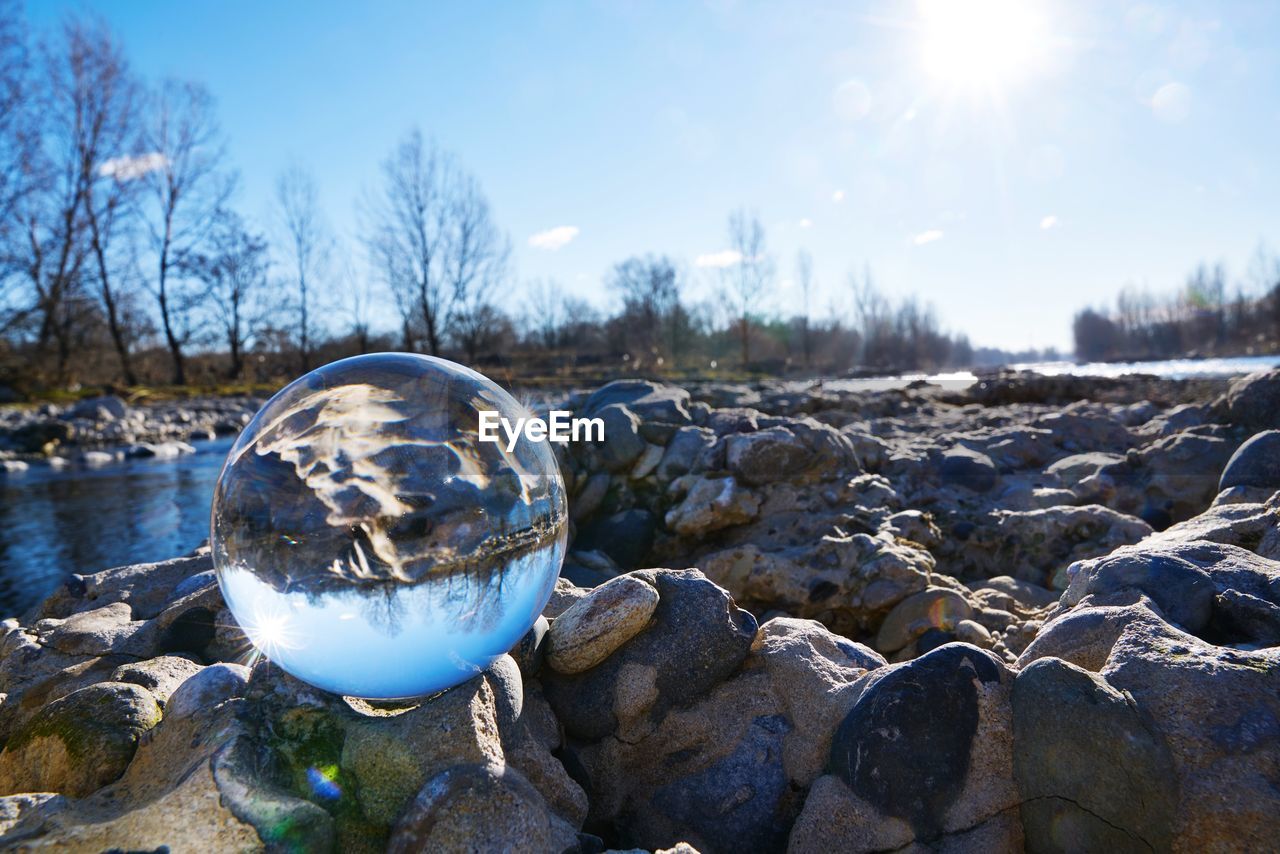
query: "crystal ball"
370, 544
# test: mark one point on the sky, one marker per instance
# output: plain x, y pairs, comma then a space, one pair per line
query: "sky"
1009, 162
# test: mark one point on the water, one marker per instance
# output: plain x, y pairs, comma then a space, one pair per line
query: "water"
367, 540
54, 522
1174, 369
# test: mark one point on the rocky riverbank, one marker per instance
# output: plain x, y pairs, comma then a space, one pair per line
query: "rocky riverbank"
1041, 614
100, 430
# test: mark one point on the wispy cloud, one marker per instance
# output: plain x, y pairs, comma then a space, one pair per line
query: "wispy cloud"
554, 238
805, 223
723, 258
837, 196
129, 168
1049, 222
927, 236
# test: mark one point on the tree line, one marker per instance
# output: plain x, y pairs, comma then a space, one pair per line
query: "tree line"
1210, 315
123, 258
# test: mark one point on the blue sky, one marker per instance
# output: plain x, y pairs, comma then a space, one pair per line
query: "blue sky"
1009, 165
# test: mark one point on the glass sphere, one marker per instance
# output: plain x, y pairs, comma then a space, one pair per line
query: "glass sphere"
368, 543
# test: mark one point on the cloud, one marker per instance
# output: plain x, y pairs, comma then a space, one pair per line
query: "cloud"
723, 258
1049, 222
128, 168
927, 237
837, 196
554, 238
805, 223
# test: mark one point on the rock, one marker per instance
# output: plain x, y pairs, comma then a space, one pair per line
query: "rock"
712, 504
589, 498
626, 537
476, 807
970, 469
207, 688
531, 651
648, 400
107, 408
622, 444
683, 452
1024, 593
96, 458
79, 743
725, 773
1039, 544
391, 758
1218, 710
696, 638
41, 437
158, 450
1181, 476
1253, 401
1093, 773
924, 752
161, 676
1255, 463
13, 466
847, 583
1182, 590
1085, 637
647, 462
938, 608
109, 629
600, 622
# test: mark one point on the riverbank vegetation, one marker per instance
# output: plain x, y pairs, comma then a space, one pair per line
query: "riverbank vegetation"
1211, 315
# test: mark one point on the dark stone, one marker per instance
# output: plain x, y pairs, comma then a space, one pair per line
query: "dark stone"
740, 802
970, 469
1095, 774
1253, 401
1182, 590
1255, 463
1244, 618
627, 537
932, 639
35, 437
530, 651
696, 639
622, 442
191, 631
905, 746
649, 400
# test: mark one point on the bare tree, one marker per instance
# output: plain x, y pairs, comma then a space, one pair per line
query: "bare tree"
104, 97
748, 276
234, 269
650, 291
359, 301
804, 278
408, 235
475, 261
307, 238
18, 155
544, 312
187, 187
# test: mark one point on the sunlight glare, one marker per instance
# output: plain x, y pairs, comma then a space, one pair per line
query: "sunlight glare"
981, 44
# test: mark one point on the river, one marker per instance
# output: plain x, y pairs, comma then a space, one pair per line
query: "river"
57, 521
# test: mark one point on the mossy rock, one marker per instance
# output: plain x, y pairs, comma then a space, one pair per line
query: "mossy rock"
79, 743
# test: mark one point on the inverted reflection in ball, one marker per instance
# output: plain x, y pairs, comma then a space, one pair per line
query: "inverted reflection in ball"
367, 542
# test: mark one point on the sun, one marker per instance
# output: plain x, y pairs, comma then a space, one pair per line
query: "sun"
982, 45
